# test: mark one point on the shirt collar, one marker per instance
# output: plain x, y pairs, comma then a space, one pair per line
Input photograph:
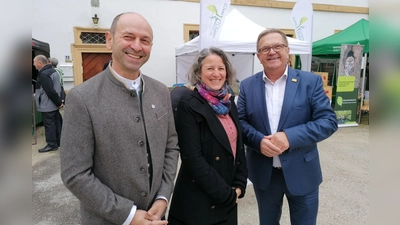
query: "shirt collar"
135, 84
284, 75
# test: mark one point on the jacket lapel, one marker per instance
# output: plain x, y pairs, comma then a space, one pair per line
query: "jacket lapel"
261, 102
212, 120
292, 84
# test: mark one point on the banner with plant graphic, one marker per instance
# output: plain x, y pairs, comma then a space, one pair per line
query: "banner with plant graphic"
302, 19
212, 15
347, 86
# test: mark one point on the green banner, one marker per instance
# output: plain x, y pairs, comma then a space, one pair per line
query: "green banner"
345, 84
346, 107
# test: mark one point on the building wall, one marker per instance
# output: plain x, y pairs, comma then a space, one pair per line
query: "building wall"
53, 22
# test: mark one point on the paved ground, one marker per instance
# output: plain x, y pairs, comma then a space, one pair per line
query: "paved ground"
344, 196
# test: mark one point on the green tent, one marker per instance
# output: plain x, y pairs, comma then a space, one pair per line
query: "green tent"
357, 33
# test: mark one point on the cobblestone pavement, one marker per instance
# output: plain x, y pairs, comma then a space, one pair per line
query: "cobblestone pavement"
344, 195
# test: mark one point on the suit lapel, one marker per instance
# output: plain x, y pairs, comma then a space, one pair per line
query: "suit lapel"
261, 102
212, 120
292, 84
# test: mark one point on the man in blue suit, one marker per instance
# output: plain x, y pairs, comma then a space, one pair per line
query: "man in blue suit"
284, 114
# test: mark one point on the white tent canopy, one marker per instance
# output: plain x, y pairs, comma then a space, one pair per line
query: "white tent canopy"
238, 37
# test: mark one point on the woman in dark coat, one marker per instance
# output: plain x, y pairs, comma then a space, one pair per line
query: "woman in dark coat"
213, 173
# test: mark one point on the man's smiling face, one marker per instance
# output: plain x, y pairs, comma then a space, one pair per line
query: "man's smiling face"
130, 44
273, 60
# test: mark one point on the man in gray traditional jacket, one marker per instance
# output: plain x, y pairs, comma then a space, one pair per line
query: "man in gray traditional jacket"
119, 145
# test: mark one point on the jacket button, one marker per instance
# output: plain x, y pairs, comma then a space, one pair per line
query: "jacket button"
140, 143
217, 158
133, 94
193, 181
213, 207
238, 163
137, 119
143, 194
142, 169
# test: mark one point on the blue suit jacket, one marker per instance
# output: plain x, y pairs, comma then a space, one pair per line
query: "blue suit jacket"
306, 118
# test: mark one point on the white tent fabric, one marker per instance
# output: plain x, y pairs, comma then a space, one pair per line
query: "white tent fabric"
238, 37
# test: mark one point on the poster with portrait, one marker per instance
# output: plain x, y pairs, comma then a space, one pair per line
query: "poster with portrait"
348, 83
350, 67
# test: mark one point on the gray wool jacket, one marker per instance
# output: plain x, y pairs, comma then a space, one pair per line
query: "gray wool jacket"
104, 149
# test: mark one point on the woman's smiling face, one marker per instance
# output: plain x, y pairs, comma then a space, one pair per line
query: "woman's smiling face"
213, 72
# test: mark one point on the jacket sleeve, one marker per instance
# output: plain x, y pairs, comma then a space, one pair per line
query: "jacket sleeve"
76, 159
171, 154
47, 85
322, 122
240, 180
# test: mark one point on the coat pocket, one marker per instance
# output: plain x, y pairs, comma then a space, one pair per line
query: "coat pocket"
161, 113
310, 155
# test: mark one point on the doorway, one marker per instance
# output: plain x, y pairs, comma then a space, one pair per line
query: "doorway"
93, 63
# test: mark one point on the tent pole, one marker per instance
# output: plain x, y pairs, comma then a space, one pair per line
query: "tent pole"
362, 87
252, 68
176, 70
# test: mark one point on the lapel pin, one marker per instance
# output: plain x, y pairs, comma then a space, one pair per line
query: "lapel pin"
294, 80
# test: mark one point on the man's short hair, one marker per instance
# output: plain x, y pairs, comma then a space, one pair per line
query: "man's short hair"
42, 59
53, 61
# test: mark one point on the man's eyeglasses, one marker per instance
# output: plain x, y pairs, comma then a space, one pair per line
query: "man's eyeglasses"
277, 48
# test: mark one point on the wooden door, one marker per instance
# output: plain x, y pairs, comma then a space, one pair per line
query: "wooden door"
93, 63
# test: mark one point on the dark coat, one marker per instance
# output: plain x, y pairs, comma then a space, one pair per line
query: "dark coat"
48, 90
176, 95
203, 192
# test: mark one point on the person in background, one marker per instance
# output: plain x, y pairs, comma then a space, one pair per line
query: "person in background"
177, 93
213, 173
48, 102
54, 62
284, 114
106, 64
119, 145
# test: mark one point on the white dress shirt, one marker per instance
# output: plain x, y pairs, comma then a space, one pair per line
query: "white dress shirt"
274, 95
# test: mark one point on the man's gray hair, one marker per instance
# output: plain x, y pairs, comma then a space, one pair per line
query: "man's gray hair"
53, 61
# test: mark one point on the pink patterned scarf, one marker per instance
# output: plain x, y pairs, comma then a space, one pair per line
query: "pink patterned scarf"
218, 100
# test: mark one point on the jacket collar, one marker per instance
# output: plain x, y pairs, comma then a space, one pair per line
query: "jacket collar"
45, 67
212, 120
292, 84
114, 78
